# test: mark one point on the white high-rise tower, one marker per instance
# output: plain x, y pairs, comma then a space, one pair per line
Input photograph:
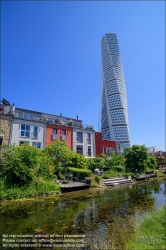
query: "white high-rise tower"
113, 113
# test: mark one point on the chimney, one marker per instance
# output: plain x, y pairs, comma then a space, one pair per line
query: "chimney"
77, 117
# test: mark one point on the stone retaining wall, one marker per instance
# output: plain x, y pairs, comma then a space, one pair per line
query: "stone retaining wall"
5, 125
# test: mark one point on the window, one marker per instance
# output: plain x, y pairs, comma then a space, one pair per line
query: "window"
54, 134
89, 150
35, 132
20, 115
1, 139
36, 144
79, 137
24, 142
79, 149
89, 138
63, 132
56, 121
25, 131
50, 119
26, 116
107, 151
63, 137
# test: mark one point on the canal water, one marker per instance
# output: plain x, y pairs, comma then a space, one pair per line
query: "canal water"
88, 219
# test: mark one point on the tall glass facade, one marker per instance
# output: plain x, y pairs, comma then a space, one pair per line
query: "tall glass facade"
114, 113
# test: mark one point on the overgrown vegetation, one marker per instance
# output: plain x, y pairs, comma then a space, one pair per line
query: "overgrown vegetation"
151, 233
81, 173
29, 171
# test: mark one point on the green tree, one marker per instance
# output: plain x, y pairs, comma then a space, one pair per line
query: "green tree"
136, 157
60, 154
91, 164
151, 162
46, 167
78, 161
18, 165
116, 160
100, 162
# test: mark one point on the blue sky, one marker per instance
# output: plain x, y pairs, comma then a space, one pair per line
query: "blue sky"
51, 60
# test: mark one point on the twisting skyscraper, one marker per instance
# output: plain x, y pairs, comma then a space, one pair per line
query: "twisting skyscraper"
113, 113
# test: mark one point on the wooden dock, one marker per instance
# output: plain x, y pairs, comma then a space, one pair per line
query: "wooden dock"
116, 181
146, 177
73, 186
140, 178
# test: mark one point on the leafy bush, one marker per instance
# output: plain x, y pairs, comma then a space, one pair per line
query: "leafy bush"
94, 184
133, 175
119, 168
46, 168
103, 163
82, 172
116, 160
151, 162
111, 173
61, 156
18, 165
38, 187
91, 164
98, 178
79, 161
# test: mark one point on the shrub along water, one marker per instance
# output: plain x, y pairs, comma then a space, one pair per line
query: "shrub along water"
81, 172
26, 171
36, 188
21, 166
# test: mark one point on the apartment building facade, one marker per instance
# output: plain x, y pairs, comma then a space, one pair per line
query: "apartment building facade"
39, 129
84, 141
60, 128
28, 128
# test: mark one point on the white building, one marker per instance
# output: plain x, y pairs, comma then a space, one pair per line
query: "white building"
84, 141
114, 113
152, 150
27, 128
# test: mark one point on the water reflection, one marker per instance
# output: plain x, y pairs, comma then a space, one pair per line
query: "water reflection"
95, 213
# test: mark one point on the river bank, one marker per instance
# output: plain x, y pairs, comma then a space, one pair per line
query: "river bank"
99, 214
42, 187
151, 232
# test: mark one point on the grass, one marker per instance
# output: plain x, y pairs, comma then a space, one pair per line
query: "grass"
117, 234
127, 234
151, 233
36, 188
